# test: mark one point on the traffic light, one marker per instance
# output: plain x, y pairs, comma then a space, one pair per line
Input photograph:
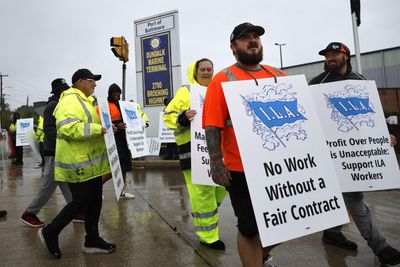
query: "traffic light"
120, 48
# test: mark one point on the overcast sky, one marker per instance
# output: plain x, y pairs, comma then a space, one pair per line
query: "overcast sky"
45, 39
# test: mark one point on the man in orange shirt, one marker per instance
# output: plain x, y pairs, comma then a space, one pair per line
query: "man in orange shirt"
221, 140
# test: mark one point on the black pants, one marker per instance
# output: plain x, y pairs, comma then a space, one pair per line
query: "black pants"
86, 197
19, 153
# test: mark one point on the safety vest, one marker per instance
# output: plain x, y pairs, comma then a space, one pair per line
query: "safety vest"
275, 72
114, 112
80, 148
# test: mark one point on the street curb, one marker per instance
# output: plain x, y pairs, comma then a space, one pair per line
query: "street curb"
155, 163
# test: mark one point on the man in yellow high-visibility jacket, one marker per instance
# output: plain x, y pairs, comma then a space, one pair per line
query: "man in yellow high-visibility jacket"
80, 160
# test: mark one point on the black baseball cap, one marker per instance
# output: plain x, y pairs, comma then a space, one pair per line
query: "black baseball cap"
336, 46
245, 28
59, 84
84, 74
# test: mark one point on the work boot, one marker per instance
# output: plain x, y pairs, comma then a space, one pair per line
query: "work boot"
339, 240
389, 256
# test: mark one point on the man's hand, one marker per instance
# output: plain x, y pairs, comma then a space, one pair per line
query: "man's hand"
220, 174
393, 140
190, 113
121, 126
103, 131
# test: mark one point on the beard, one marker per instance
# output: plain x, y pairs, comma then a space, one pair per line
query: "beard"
336, 67
249, 59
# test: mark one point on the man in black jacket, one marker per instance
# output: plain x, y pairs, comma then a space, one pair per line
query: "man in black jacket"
48, 185
337, 68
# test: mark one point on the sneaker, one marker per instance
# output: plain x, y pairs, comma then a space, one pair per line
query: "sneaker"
217, 245
389, 256
79, 218
127, 195
98, 246
267, 262
339, 240
49, 243
31, 219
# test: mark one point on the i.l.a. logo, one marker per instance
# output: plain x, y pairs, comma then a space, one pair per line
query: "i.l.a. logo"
277, 116
351, 108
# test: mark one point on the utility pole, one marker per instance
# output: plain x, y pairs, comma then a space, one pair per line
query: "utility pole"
280, 52
1, 99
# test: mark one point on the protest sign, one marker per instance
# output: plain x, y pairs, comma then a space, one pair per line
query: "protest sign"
291, 179
201, 173
111, 147
165, 135
154, 146
23, 125
357, 135
135, 130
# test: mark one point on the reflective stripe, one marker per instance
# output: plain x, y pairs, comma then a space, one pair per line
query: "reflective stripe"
66, 121
231, 76
184, 155
88, 115
228, 123
277, 71
204, 214
206, 228
77, 166
86, 130
181, 131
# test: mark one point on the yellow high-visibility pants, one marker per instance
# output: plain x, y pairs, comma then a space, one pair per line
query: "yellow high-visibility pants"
204, 200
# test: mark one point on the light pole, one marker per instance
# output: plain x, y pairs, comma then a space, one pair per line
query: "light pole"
280, 52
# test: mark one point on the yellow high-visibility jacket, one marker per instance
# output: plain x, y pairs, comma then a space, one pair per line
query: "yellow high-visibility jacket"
80, 148
12, 128
39, 131
143, 115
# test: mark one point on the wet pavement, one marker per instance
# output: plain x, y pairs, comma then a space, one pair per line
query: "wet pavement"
155, 228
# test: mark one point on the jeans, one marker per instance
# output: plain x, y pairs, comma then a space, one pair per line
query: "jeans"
361, 215
48, 187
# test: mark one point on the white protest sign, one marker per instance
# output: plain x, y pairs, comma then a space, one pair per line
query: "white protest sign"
154, 146
165, 135
291, 179
357, 135
135, 132
111, 147
30, 136
23, 125
201, 173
